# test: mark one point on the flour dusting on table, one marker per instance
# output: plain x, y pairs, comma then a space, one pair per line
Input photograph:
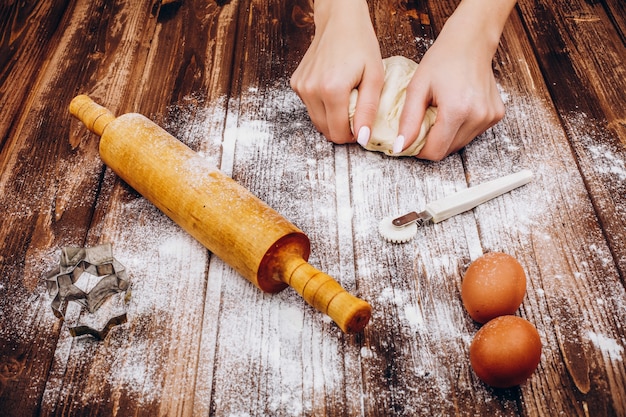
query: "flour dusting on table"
274, 349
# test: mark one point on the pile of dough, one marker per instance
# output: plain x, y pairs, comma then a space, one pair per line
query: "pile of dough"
398, 72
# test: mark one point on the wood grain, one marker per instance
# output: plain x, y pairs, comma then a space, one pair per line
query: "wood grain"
202, 340
587, 85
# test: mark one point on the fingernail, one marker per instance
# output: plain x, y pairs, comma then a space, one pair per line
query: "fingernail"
364, 136
398, 145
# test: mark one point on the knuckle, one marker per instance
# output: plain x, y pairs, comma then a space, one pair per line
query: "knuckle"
499, 112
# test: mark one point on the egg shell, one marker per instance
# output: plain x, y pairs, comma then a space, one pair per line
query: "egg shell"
494, 285
505, 351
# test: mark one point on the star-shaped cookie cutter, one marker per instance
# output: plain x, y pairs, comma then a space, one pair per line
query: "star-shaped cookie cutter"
99, 262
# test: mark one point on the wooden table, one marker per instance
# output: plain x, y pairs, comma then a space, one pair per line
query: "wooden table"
202, 340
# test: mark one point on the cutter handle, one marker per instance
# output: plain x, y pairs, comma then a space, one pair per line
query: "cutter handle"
471, 197
323, 293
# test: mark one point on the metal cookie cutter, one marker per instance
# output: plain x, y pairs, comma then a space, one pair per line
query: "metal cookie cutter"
90, 277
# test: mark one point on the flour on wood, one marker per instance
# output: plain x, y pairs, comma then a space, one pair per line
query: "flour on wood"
398, 73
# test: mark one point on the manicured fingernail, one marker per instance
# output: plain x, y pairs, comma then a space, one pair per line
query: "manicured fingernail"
364, 136
398, 145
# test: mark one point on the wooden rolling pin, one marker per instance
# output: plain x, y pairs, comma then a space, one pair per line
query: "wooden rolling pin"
221, 214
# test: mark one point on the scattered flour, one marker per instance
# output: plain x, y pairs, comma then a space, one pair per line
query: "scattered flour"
608, 163
610, 347
299, 359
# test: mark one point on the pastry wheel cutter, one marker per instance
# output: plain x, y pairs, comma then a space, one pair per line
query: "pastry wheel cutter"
402, 229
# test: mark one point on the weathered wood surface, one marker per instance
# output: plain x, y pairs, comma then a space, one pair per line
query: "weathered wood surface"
202, 340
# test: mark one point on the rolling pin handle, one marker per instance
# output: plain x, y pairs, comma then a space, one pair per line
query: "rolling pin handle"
326, 295
94, 116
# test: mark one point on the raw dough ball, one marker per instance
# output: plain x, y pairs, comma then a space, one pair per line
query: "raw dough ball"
398, 72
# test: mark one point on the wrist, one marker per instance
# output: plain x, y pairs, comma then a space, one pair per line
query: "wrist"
480, 22
323, 10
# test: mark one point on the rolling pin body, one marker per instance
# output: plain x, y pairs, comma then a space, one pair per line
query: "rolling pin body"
221, 214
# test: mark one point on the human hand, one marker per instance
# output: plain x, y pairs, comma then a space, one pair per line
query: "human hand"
455, 75
343, 55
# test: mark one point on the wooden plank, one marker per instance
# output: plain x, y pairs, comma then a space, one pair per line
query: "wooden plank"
579, 345
23, 51
548, 305
414, 354
151, 364
567, 264
202, 340
275, 355
617, 12
54, 180
591, 105
416, 347
589, 267
587, 84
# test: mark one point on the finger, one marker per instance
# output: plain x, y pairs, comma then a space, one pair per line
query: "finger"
367, 104
469, 132
317, 114
306, 90
336, 117
476, 126
441, 138
411, 118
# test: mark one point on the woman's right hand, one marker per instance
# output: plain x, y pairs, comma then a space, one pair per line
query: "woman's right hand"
343, 55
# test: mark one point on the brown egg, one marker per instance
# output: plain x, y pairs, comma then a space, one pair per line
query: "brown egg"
505, 351
494, 285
